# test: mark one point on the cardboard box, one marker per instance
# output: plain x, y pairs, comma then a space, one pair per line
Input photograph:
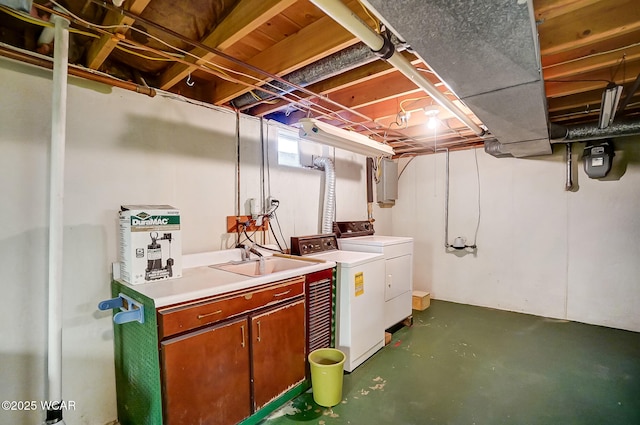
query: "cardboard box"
420, 300
150, 243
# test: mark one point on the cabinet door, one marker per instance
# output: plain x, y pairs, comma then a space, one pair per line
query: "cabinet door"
278, 343
205, 376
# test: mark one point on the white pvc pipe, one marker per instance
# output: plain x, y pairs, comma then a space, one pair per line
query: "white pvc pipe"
352, 23
56, 194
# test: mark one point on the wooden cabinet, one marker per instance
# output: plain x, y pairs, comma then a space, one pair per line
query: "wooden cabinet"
239, 352
220, 360
278, 342
205, 375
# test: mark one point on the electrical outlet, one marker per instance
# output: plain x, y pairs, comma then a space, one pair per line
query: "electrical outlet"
240, 223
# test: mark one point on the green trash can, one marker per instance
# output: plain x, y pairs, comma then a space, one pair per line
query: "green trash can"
326, 375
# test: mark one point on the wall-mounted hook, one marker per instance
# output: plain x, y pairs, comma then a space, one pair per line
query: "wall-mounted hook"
189, 82
130, 310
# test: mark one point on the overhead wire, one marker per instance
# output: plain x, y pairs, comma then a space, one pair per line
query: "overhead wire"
218, 71
222, 71
40, 22
376, 23
232, 59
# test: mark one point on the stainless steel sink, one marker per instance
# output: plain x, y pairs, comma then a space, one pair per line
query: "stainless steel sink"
271, 265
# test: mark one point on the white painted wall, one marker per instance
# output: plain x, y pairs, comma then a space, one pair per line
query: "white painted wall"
122, 148
541, 250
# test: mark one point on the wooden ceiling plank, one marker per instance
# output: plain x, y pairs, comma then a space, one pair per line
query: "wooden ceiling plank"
313, 42
595, 49
598, 21
592, 81
585, 101
278, 28
388, 86
322, 38
594, 63
549, 9
242, 20
101, 48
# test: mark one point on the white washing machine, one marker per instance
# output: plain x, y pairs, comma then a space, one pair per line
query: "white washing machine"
359, 296
398, 274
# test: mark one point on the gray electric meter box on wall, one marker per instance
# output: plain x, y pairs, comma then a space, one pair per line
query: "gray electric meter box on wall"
597, 159
387, 187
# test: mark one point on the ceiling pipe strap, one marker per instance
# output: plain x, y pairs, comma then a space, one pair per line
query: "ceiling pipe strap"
387, 50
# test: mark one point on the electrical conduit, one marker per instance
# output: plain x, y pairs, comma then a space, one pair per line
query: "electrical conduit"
329, 192
56, 219
352, 23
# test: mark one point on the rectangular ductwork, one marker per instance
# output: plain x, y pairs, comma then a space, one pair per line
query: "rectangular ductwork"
488, 53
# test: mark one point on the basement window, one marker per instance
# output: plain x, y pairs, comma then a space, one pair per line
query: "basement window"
288, 149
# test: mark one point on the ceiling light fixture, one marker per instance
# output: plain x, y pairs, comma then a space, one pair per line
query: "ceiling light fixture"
432, 112
609, 105
350, 21
327, 134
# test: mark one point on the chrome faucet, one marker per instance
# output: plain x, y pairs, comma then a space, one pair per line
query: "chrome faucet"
246, 250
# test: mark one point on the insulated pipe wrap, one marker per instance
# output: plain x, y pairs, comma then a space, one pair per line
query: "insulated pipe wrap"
326, 164
590, 131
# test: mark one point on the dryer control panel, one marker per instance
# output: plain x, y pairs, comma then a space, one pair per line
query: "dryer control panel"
349, 229
306, 245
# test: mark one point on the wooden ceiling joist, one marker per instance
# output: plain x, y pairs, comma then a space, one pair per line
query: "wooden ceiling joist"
577, 29
549, 9
592, 81
102, 47
313, 42
242, 20
610, 61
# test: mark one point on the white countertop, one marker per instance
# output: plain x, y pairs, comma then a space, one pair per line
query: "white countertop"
199, 280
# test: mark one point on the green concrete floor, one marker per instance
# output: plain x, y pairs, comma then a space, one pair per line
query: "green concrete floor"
460, 364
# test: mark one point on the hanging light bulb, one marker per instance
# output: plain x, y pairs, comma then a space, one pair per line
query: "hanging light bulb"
432, 112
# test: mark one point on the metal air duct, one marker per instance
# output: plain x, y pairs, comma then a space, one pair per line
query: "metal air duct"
488, 53
383, 47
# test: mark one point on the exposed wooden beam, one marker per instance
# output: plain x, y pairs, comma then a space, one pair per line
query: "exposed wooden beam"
608, 61
549, 9
602, 47
578, 103
586, 25
591, 81
242, 20
581, 101
315, 41
102, 47
388, 86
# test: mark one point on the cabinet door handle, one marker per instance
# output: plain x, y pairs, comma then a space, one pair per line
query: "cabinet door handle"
242, 330
202, 316
282, 293
258, 323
